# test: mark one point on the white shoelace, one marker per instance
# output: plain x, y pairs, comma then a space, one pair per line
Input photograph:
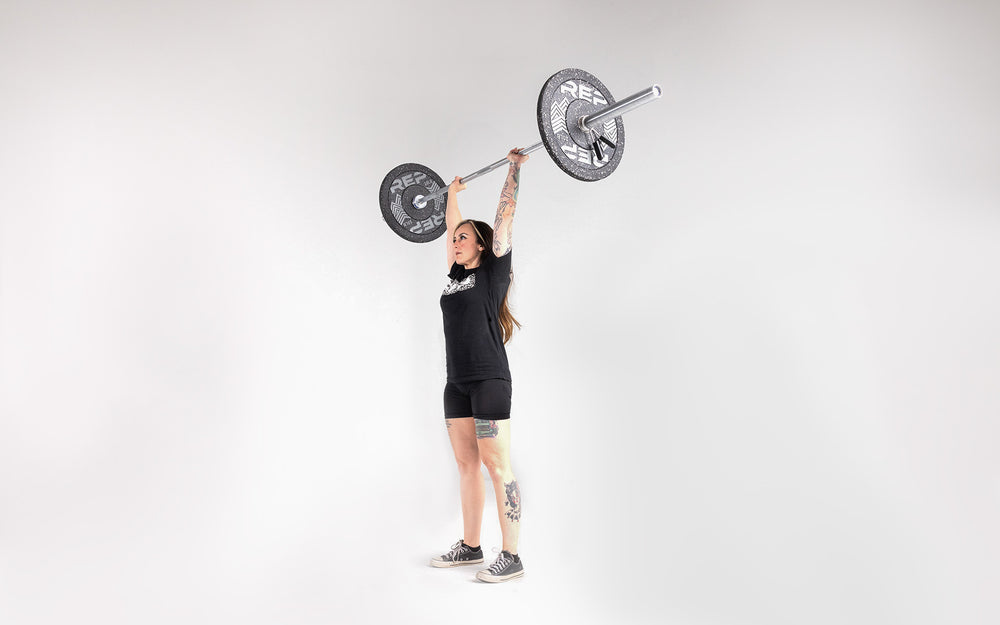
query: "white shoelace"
455, 550
501, 563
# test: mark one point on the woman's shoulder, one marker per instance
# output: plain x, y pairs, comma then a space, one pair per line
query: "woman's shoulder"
499, 268
501, 261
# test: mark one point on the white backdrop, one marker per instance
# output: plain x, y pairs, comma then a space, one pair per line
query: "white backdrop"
757, 379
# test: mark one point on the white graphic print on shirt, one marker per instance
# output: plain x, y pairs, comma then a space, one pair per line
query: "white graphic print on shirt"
464, 285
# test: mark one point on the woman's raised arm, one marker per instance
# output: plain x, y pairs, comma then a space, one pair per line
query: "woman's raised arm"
452, 217
502, 228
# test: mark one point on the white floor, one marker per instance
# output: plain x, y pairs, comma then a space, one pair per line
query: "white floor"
267, 518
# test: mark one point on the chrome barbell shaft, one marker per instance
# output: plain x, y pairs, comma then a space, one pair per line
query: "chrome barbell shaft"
420, 201
586, 122
500, 163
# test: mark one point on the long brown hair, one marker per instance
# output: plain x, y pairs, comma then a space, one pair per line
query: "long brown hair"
484, 236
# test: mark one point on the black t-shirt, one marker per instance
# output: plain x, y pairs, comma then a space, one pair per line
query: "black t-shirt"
471, 308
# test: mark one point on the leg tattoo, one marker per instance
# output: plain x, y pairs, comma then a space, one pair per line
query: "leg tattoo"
513, 501
486, 429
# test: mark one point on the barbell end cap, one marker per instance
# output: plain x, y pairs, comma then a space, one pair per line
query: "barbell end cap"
418, 202
657, 91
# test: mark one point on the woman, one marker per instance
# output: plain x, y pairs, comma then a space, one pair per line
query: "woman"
477, 324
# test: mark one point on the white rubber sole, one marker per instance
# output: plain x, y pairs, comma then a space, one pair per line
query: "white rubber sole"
444, 564
484, 576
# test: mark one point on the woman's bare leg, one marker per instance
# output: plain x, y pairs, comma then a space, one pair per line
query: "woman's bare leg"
462, 433
493, 438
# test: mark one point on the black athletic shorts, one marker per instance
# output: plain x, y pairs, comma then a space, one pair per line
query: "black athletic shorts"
487, 399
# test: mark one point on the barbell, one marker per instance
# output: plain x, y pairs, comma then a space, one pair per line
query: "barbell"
580, 126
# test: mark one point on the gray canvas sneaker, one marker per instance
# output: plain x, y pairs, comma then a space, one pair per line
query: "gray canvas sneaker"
459, 555
507, 566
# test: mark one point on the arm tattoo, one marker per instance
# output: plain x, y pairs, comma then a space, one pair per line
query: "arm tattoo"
513, 501
508, 203
486, 429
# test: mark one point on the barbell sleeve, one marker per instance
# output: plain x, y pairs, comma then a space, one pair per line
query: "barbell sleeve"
620, 107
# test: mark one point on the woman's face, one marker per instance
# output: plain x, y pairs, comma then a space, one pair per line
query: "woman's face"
467, 249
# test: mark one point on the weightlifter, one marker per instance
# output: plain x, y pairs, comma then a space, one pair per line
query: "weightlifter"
477, 397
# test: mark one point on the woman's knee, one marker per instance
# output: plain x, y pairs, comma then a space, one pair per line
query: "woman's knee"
468, 462
497, 465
